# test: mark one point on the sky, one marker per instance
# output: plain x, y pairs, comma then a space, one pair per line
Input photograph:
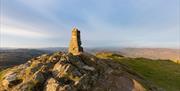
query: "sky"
103, 23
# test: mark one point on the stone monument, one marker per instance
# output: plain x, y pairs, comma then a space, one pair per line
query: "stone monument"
75, 43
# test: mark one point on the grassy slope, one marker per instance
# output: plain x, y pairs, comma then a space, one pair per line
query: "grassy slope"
164, 74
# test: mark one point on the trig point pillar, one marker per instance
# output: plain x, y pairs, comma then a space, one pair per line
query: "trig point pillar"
75, 43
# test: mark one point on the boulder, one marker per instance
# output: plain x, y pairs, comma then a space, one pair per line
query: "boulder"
11, 80
38, 77
25, 86
66, 88
51, 85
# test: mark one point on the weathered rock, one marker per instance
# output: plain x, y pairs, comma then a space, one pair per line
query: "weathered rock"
26, 86
61, 68
67, 72
66, 88
11, 80
51, 85
88, 68
38, 77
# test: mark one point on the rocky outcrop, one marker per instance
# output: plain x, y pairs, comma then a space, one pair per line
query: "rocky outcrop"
66, 72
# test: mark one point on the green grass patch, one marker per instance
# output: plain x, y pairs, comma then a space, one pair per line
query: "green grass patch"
107, 55
165, 74
162, 73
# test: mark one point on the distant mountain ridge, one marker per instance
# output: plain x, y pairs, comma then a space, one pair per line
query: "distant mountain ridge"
153, 53
10, 56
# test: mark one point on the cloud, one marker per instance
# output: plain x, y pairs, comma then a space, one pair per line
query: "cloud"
118, 22
45, 9
101, 33
41, 4
21, 32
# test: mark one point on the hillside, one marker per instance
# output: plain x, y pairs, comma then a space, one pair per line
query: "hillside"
11, 57
161, 73
66, 72
153, 53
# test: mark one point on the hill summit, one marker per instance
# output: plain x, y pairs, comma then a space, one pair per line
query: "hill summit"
67, 72
73, 71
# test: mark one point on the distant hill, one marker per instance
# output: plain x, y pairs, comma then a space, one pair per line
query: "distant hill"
11, 57
54, 49
152, 53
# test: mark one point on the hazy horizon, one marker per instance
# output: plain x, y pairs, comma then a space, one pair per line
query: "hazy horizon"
103, 23
89, 47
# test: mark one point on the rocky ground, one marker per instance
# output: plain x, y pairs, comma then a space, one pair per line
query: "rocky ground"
66, 72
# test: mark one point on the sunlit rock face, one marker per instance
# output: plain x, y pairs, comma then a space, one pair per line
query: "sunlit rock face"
68, 72
75, 43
